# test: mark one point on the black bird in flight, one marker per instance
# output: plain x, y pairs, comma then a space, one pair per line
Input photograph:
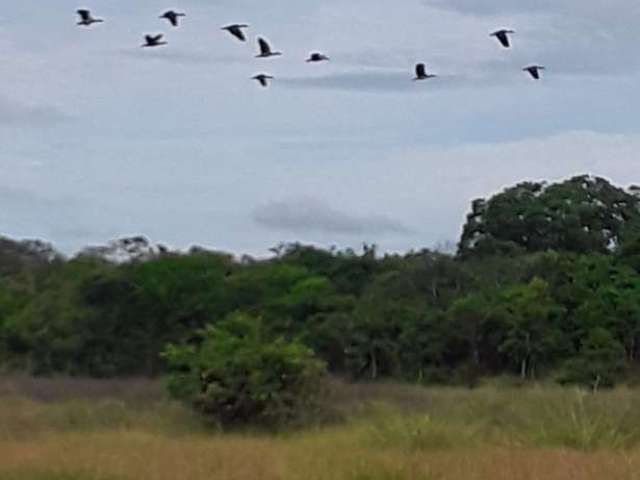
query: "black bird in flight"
534, 71
317, 57
503, 37
86, 19
236, 30
172, 17
263, 79
421, 73
265, 49
154, 40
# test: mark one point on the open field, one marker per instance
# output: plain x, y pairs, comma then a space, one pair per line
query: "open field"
86, 430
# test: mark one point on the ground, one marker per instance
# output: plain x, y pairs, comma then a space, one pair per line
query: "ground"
91, 430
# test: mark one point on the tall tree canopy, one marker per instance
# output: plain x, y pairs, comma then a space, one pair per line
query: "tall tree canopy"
546, 284
584, 215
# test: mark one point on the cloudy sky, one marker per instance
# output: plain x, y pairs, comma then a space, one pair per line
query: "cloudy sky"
100, 138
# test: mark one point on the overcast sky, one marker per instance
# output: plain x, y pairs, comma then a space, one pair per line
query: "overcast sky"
100, 138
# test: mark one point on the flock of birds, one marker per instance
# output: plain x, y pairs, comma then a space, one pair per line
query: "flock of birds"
265, 51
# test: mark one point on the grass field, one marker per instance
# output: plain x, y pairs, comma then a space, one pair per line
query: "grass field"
88, 430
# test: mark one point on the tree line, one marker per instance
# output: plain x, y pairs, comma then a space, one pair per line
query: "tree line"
545, 284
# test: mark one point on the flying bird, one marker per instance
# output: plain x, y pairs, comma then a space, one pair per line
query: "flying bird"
503, 37
172, 17
421, 73
263, 79
265, 49
317, 57
236, 30
153, 40
86, 18
534, 71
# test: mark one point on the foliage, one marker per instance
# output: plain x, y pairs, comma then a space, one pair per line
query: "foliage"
240, 375
584, 214
546, 284
532, 331
599, 363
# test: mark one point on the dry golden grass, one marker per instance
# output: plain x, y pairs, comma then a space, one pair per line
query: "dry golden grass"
398, 433
138, 455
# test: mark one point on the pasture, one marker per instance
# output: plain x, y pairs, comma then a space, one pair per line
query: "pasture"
128, 429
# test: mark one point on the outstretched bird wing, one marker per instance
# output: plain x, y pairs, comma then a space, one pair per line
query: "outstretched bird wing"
172, 17
153, 39
85, 15
534, 72
421, 71
504, 39
263, 78
265, 49
237, 32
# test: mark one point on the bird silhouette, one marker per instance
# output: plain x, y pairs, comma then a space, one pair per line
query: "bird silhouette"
172, 17
236, 30
421, 73
503, 37
263, 79
534, 71
265, 49
317, 57
86, 19
153, 40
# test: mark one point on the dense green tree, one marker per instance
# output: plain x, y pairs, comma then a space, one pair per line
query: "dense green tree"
584, 214
547, 279
423, 347
45, 335
475, 341
239, 374
376, 325
613, 303
532, 327
599, 363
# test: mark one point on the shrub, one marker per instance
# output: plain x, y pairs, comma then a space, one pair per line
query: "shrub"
240, 375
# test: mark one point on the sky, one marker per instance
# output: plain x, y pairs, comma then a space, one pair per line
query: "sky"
100, 138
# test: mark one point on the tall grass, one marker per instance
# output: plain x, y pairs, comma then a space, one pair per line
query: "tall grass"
31, 407
378, 432
540, 416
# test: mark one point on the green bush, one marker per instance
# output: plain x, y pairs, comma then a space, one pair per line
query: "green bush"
239, 375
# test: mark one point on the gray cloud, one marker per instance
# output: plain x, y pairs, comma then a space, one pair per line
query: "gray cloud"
364, 82
179, 57
174, 142
397, 82
602, 10
305, 215
18, 114
581, 37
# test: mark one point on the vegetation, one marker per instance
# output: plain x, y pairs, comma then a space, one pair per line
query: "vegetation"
545, 285
238, 375
386, 431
